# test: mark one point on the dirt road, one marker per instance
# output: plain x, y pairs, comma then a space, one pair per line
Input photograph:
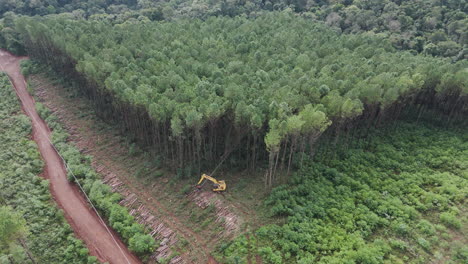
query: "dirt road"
84, 221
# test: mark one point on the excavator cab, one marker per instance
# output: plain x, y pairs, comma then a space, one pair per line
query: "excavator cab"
218, 186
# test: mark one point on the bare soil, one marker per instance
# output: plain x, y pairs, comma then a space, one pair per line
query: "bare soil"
106, 246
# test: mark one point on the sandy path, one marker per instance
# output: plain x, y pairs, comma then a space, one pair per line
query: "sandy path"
84, 221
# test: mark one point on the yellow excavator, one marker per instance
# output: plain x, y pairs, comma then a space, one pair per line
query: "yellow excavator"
218, 186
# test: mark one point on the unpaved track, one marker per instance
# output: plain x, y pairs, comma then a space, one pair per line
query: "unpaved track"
84, 221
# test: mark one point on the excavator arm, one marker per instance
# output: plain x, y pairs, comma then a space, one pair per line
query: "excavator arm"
218, 185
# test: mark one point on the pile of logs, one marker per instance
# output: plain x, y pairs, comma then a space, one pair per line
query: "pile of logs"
159, 231
224, 214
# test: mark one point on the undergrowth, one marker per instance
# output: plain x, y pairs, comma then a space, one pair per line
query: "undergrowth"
396, 197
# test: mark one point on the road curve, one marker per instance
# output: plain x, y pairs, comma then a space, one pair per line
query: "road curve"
84, 221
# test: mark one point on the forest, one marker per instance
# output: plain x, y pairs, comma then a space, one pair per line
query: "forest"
32, 228
263, 88
349, 117
80, 7
437, 28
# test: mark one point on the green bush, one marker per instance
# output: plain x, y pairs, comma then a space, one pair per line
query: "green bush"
460, 253
142, 244
424, 243
450, 220
426, 227
43, 111
270, 256
399, 244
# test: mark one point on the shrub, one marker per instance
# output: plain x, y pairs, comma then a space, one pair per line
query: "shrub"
400, 228
424, 243
460, 253
426, 227
450, 220
120, 214
399, 244
270, 256
142, 244
43, 111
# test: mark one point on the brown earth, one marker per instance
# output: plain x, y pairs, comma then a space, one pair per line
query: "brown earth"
86, 224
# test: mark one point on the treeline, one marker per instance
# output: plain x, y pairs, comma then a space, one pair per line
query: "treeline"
196, 91
399, 196
32, 228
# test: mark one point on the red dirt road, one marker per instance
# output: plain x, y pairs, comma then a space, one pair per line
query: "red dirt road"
84, 221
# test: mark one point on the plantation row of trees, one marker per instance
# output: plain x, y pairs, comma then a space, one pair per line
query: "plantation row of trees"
397, 197
104, 199
266, 88
32, 228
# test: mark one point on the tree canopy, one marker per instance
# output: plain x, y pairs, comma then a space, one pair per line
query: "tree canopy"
46, 7
437, 28
277, 76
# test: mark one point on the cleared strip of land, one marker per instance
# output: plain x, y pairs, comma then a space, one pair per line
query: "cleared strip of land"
85, 223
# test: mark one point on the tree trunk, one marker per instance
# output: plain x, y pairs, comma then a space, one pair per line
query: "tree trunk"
30, 256
291, 151
285, 149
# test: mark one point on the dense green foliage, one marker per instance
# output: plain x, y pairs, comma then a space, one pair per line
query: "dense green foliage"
12, 230
78, 7
106, 201
399, 196
436, 27
272, 83
118, 11
49, 239
9, 38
